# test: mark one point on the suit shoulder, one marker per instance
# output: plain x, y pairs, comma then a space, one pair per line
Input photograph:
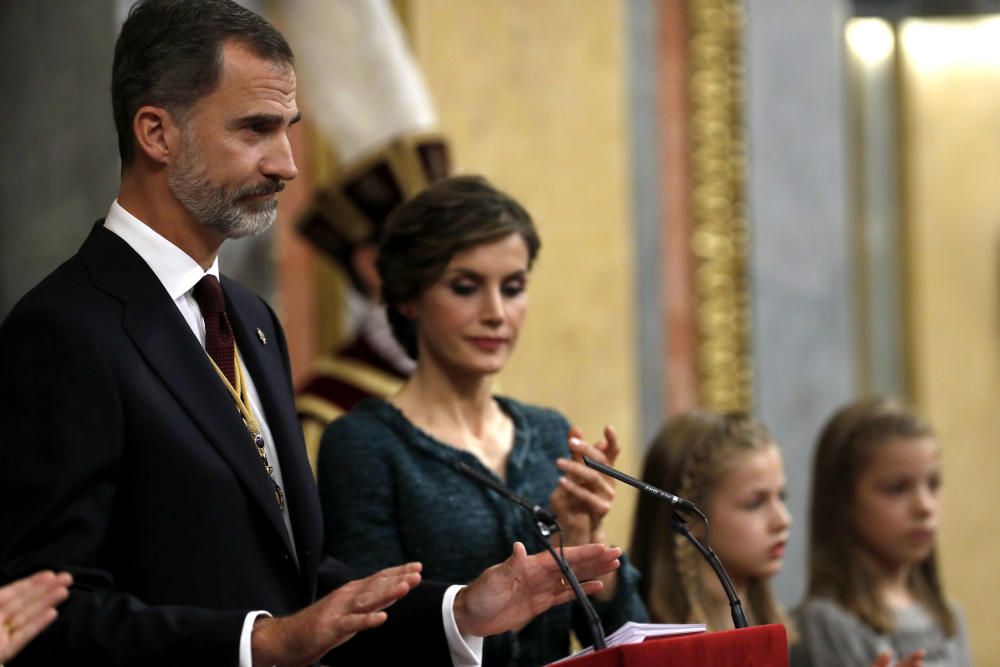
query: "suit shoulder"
62, 296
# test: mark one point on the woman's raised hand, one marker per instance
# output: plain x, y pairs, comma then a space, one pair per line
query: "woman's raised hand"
584, 496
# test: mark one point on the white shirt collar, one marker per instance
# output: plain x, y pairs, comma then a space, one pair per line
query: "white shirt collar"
176, 270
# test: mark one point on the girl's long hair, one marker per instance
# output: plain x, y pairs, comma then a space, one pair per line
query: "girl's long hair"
688, 457
838, 568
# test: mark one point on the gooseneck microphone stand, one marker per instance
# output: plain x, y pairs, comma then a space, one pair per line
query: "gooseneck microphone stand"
679, 526
546, 525
735, 607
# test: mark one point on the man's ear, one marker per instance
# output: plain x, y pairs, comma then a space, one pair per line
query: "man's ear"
157, 134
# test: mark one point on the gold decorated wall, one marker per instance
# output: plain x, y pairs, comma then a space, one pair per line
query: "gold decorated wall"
533, 95
950, 105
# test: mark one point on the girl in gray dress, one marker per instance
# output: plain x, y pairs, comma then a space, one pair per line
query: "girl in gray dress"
873, 578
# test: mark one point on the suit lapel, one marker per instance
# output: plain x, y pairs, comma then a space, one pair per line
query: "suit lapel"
164, 339
265, 361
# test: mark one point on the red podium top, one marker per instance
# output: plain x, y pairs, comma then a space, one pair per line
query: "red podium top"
761, 646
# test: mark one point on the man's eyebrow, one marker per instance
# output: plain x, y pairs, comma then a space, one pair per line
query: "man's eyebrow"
265, 119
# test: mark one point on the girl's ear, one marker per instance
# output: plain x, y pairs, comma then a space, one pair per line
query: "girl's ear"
408, 310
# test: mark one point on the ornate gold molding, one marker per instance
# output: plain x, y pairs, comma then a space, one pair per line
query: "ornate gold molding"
719, 235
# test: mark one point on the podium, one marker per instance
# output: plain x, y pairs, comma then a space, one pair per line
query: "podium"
761, 646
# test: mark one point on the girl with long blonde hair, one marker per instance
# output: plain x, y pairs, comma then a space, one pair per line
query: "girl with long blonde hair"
727, 465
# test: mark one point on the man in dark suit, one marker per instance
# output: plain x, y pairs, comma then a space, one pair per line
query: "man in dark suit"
150, 445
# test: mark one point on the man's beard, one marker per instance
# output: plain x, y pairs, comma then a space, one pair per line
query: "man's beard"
214, 206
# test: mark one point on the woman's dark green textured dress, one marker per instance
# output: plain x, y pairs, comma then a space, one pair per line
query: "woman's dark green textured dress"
391, 494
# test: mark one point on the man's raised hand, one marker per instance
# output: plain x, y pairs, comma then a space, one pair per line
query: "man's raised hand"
508, 595
304, 637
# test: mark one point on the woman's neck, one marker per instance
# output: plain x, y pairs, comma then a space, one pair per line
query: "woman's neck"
459, 411
435, 397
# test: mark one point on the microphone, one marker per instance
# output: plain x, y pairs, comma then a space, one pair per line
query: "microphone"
680, 527
545, 524
678, 502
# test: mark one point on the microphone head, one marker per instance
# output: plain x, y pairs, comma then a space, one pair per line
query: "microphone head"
545, 516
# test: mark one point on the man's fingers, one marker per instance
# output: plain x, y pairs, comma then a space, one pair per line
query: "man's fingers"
591, 552
518, 554
591, 587
381, 589
405, 568
351, 624
25, 600
354, 607
25, 633
565, 593
15, 595
49, 596
381, 593
592, 570
28, 605
592, 560
588, 561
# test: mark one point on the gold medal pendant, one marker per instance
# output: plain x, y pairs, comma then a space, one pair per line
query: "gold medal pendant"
279, 497
242, 401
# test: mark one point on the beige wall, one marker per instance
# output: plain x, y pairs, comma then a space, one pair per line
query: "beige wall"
951, 107
532, 95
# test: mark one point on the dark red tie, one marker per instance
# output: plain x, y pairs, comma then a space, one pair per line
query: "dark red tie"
218, 334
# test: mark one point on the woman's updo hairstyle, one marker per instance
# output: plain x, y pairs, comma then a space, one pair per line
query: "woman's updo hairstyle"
423, 234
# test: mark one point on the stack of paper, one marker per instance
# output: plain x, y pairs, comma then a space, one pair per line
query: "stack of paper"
633, 633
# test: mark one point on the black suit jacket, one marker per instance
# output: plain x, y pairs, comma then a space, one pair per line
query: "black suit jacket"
125, 462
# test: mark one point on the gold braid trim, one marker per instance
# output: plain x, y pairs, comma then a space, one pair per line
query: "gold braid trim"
313, 427
359, 374
316, 412
317, 408
719, 236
